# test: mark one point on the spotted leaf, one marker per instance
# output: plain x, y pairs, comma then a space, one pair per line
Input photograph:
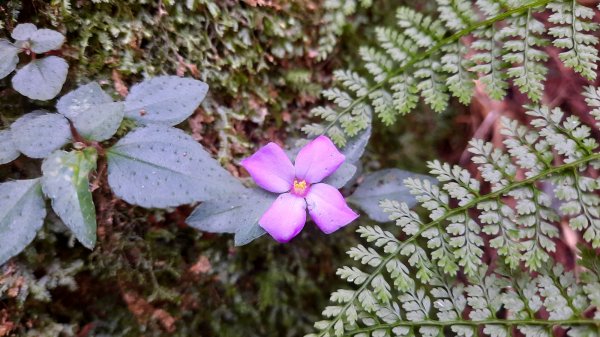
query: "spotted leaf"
160, 166
236, 213
8, 149
165, 100
39, 133
22, 213
92, 111
41, 79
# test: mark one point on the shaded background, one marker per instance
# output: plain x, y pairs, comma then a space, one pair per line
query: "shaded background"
150, 274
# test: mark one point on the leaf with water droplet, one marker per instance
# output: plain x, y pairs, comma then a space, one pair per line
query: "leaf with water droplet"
39, 133
65, 181
92, 111
9, 57
381, 185
8, 149
42, 78
160, 166
235, 213
164, 99
22, 213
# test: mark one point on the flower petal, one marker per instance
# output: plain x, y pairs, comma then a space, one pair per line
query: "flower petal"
328, 208
270, 168
285, 218
317, 160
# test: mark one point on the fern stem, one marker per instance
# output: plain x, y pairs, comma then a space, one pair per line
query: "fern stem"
378, 270
586, 211
526, 47
539, 322
429, 52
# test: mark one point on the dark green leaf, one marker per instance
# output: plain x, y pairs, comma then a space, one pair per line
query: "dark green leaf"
22, 213
160, 166
8, 149
9, 57
41, 79
236, 213
39, 133
92, 111
65, 182
165, 100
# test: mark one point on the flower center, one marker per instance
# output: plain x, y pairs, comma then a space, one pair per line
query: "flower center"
300, 187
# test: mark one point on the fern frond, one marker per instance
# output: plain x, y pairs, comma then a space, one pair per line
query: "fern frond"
522, 46
407, 286
460, 80
592, 98
488, 62
432, 57
333, 21
573, 32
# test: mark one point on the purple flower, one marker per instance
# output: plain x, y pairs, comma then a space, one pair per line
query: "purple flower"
300, 187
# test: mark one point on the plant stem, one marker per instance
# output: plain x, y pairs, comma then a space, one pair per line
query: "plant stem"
505, 322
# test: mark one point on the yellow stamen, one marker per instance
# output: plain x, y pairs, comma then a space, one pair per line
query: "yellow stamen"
299, 186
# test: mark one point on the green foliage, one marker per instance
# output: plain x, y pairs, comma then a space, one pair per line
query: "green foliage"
22, 213
441, 303
380, 185
158, 166
233, 44
92, 111
38, 133
236, 213
154, 165
432, 58
159, 100
40, 79
65, 182
263, 73
408, 286
333, 22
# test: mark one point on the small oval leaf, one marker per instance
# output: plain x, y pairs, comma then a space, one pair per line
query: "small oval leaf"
41, 79
236, 213
160, 166
23, 31
44, 40
165, 100
38, 134
22, 213
8, 149
9, 57
381, 185
92, 111
65, 181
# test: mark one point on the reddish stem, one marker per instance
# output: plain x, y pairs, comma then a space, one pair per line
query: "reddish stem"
79, 139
